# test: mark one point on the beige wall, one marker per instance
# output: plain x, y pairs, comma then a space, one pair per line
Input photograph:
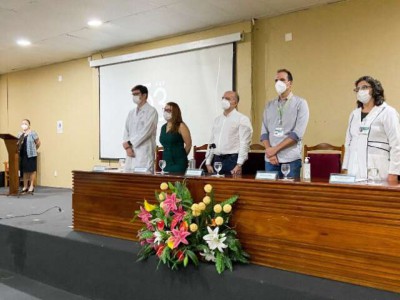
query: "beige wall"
332, 46
37, 94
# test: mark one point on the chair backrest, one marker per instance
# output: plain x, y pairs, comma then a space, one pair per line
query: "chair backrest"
158, 155
199, 153
257, 147
255, 161
324, 159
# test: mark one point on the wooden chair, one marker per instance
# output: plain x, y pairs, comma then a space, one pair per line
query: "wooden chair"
324, 159
199, 153
6, 174
158, 155
255, 161
259, 147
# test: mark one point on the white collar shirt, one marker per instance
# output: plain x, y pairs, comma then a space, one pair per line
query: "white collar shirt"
231, 134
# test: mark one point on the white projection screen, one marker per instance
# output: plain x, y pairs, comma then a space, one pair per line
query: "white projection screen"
195, 80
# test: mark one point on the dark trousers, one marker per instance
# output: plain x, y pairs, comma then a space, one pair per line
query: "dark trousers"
229, 162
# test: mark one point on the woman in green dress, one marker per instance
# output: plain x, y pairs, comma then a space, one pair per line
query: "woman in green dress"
176, 140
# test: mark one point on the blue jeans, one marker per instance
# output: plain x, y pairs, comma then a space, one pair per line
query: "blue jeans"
295, 168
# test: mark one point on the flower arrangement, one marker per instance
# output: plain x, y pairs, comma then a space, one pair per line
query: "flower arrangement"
178, 230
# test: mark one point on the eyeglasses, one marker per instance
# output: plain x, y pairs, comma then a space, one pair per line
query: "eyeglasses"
167, 110
363, 88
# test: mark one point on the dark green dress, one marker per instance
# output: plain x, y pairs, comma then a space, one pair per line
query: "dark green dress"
174, 151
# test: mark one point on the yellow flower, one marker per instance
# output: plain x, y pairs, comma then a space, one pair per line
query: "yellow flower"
193, 227
195, 206
196, 212
161, 196
217, 208
201, 206
170, 243
164, 186
227, 208
208, 188
219, 221
148, 206
207, 200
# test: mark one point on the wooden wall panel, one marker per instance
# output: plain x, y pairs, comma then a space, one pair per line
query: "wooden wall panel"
343, 232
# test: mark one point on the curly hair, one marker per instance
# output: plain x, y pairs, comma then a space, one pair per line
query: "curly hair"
378, 93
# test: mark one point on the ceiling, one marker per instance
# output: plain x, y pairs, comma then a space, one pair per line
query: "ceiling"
59, 32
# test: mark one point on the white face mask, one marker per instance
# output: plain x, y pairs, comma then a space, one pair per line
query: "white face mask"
225, 104
280, 87
136, 99
24, 127
167, 116
363, 96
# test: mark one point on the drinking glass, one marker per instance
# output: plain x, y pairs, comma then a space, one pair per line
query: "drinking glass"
162, 164
373, 175
218, 167
121, 163
285, 169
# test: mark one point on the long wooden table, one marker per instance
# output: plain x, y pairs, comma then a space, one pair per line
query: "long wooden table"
349, 233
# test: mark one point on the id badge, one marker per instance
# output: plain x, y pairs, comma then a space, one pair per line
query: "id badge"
278, 132
364, 130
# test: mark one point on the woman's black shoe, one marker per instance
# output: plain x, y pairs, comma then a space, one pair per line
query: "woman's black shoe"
23, 191
31, 192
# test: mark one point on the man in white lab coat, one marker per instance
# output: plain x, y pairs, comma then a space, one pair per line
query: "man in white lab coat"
140, 132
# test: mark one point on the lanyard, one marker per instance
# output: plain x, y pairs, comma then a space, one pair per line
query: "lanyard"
281, 109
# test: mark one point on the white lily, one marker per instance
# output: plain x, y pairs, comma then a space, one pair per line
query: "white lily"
208, 255
158, 237
214, 240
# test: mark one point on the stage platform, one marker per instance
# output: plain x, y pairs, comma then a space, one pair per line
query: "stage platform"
44, 251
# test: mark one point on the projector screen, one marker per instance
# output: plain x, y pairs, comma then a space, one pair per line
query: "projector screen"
195, 80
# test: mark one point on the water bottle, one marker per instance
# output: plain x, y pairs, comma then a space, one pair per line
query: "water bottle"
307, 169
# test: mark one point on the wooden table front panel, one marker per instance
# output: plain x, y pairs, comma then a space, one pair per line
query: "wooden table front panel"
344, 232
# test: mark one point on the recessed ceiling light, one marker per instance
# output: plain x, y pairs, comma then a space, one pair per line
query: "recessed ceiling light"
24, 42
94, 23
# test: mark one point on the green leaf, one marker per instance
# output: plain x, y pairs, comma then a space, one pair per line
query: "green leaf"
230, 200
228, 262
192, 257
185, 261
219, 262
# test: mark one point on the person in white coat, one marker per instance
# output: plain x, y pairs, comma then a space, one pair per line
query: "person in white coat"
140, 132
373, 134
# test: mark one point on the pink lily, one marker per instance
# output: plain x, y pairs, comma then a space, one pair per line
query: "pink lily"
170, 203
179, 236
144, 215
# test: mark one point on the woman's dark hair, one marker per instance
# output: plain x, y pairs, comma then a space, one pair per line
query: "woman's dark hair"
176, 116
29, 122
377, 90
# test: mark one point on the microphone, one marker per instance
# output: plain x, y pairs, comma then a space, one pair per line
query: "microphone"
211, 147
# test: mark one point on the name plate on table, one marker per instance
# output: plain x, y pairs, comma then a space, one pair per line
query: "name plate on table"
342, 178
194, 172
140, 170
267, 175
99, 168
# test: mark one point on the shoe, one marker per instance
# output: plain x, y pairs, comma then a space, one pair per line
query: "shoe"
31, 192
23, 191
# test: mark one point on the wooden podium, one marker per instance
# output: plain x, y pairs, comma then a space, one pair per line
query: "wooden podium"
13, 161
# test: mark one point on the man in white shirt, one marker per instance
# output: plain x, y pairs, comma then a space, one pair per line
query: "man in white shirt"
140, 132
231, 134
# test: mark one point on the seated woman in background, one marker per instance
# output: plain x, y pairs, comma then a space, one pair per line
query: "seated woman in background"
28, 143
175, 138
373, 134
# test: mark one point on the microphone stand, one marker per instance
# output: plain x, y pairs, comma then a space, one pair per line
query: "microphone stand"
211, 148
